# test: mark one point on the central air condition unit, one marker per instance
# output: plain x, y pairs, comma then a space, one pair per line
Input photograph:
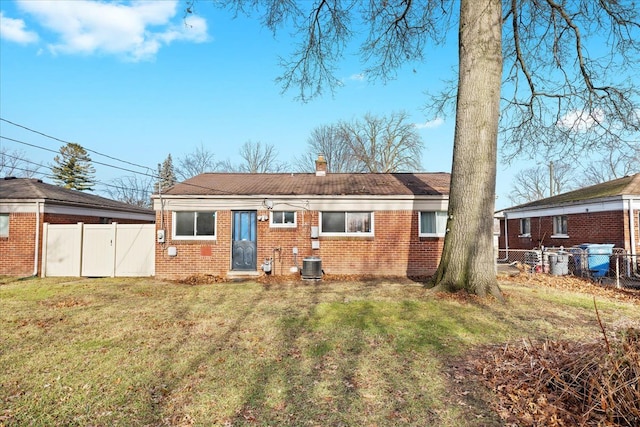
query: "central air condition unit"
312, 268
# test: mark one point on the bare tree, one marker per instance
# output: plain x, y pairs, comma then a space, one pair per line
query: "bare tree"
134, 190
384, 144
328, 140
16, 163
562, 95
259, 158
614, 162
227, 166
534, 183
371, 144
199, 161
549, 78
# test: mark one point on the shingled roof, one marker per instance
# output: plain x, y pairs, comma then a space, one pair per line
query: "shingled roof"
308, 184
26, 189
625, 186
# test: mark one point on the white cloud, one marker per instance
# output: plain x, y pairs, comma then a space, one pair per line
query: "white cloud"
581, 120
135, 29
14, 30
358, 77
431, 124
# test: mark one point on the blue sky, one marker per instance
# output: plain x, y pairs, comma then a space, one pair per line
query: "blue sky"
131, 80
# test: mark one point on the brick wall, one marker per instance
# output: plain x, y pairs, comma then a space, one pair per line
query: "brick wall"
395, 250
17, 250
596, 227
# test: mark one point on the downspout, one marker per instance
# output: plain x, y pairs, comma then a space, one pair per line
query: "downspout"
506, 239
36, 256
632, 236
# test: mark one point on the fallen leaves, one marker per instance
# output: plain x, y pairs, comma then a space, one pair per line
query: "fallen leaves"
201, 279
561, 383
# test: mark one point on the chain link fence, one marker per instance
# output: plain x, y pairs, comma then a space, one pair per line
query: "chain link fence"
601, 263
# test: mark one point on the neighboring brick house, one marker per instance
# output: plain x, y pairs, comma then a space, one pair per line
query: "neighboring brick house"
26, 204
602, 213
226, 224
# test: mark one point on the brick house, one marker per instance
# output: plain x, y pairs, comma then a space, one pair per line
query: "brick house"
602, 213
26, 204
228, 224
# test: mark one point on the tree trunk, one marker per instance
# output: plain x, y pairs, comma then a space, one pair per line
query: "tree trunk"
467, 261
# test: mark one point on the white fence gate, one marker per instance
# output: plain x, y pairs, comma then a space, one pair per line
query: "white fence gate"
98, 250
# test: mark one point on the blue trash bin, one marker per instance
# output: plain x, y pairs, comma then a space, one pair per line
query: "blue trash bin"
598, 256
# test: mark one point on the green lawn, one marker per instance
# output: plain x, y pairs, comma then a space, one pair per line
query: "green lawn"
140, 352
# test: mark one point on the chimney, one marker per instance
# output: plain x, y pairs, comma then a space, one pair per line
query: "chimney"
321, 165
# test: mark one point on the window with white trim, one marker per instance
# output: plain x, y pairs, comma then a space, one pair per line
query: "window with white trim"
4, 225
283, 218
525, 227
560, 226
198, 225
433, 223
346, 223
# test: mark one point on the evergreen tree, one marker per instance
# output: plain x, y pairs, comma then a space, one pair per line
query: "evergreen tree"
73, 168
166, 175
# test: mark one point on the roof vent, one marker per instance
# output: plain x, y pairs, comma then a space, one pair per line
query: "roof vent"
10, 177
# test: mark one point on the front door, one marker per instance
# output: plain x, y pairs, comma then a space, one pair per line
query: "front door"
243, 249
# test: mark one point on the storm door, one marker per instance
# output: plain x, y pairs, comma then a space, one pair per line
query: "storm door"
243, 255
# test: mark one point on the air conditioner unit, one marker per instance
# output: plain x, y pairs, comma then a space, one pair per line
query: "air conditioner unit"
312, 268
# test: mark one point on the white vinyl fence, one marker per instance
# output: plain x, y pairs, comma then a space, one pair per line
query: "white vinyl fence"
98, 250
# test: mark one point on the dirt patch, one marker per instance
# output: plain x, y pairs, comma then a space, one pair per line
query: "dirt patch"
66, 302
201, 279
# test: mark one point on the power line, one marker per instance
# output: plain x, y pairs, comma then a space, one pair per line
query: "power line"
111, 166
124, 190
68, 142
32, 172
92, 161
30, 145
100, 154
20, 158
50, 176
45, 175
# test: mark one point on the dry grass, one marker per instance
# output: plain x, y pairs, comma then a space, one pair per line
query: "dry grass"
108, 352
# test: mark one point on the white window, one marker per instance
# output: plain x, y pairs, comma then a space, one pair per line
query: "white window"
525, 227
433, 223
560, 226
4, 225
346, 223
194, 225
283, 219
